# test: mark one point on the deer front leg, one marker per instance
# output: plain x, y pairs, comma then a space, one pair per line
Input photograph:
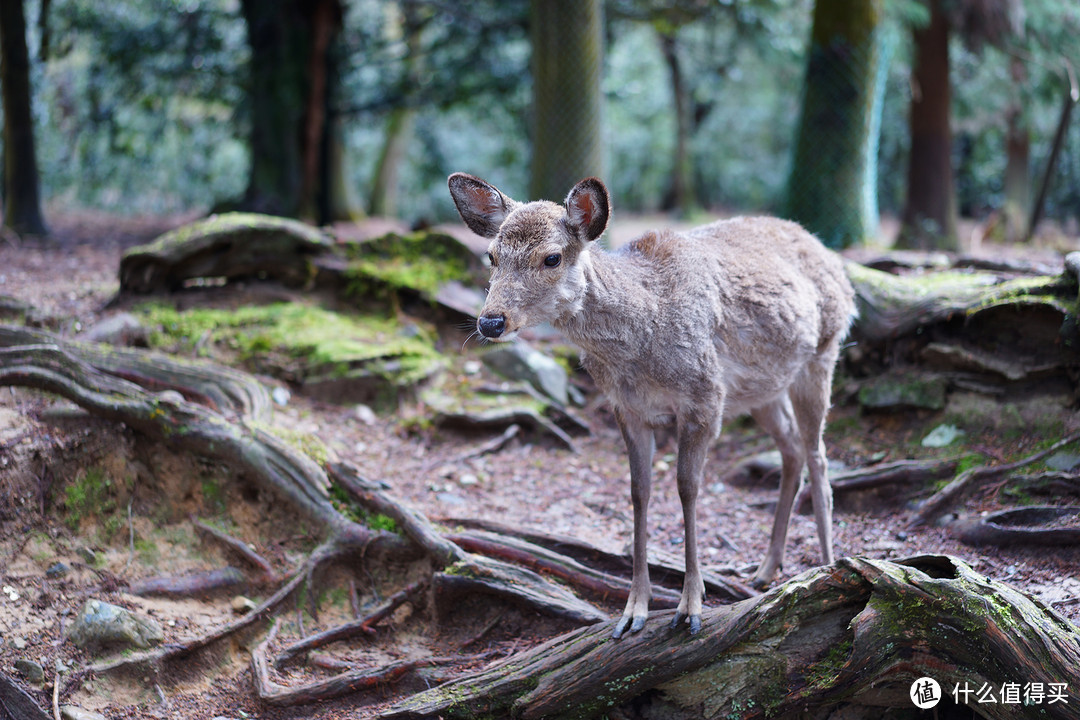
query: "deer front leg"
694, 440
640, 444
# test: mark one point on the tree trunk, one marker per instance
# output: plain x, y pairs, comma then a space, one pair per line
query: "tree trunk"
22, 201
289, 42
832, 187
567, 44
681, 197
384, 189
929, 219
1017, 160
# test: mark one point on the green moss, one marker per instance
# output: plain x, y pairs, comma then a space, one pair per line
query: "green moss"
91, 494
421, 262
299, 340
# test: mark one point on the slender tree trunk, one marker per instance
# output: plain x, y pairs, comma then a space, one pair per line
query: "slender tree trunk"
567, 43
22, 200
682, 197
1017, 161
832, 185
929, 219
384, 189
343, 202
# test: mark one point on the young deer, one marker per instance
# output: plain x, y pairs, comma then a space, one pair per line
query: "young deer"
743, 315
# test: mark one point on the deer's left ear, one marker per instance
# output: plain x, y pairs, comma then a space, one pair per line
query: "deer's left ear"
588, 207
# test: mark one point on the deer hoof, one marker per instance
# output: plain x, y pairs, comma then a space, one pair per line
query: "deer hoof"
695, 622
627, 624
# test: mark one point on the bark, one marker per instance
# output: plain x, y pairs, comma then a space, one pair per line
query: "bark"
681, 194
929, 217
384, 189
1017, 186
855, 633
567, 44
21, 189
289, 87
832, 185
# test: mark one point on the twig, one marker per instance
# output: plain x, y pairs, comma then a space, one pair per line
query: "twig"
240, 548
364, 626
56, 696
938, 503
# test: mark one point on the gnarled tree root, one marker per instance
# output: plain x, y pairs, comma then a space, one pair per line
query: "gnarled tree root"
859, 632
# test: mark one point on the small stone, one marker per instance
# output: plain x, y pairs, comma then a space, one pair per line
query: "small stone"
57, 570
242, 605
365, 414
471, 367
18, 643
71, 712
468, 479
30, 670
120, 329
280, 395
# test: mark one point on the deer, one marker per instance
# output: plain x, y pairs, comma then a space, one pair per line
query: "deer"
745, 315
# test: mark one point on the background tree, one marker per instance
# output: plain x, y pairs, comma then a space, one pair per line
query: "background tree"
929, 218
289, 79
567, 66
831, 188
22, 200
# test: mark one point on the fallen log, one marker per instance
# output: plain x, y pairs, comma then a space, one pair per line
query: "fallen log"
857, 633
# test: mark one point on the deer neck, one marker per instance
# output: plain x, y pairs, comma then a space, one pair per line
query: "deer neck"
615, 310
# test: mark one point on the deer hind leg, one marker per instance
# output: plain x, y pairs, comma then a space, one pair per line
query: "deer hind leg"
778, 419
810, 395
640, 445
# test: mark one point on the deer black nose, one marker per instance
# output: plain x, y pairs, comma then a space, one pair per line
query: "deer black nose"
491, 326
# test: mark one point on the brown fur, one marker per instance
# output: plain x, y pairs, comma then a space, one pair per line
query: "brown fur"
740, 316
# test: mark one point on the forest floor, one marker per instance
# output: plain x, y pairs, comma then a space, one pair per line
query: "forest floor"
140, 526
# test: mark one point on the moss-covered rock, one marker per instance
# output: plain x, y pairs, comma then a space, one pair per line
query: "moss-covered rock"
335, 356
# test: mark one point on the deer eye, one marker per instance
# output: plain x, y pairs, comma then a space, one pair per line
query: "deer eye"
552, 260
491, 259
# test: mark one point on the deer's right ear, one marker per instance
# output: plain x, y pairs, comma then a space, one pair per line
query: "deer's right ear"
481, 206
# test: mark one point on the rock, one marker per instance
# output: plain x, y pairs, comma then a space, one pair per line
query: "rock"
57, 570
519, 361
30, 671
280, 395
242, 605
942, 436
18, 643
71, 712
122, 329
100, 624
1063, 461
906, 390
88, 555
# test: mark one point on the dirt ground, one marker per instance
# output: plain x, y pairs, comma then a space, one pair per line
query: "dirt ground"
140, 526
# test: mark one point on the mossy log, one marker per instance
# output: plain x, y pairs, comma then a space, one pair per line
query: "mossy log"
854, 634
894, 305
231, 246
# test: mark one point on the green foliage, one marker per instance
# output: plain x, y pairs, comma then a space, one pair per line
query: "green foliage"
90, 494
140, 102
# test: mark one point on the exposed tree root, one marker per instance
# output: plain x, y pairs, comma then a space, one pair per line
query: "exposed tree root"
269, 575
944, 500
859, 631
